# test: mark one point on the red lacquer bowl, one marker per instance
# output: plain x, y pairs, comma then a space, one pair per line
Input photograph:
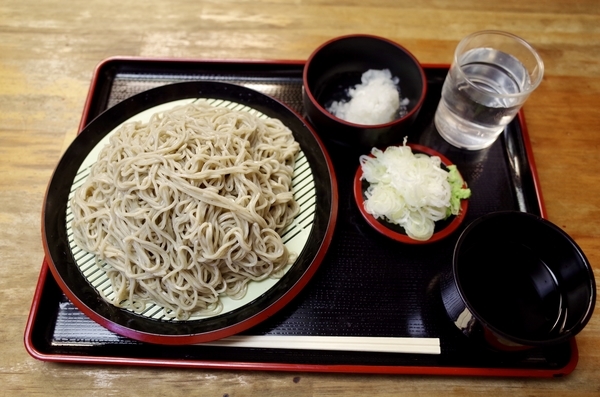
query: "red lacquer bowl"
443, 228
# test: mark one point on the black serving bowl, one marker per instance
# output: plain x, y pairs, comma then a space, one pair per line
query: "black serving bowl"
518, 281
338, 65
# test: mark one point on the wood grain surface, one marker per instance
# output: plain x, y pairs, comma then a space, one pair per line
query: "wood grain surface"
48, 52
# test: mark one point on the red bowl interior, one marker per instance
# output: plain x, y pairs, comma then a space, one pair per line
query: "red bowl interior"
388, 229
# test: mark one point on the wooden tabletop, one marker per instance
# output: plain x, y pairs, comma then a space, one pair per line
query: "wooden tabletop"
48, 52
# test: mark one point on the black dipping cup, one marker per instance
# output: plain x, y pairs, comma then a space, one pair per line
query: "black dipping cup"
518, 281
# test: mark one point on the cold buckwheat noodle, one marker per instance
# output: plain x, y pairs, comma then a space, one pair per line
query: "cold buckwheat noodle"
188, 206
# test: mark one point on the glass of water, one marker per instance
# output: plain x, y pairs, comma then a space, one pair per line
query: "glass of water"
492, 75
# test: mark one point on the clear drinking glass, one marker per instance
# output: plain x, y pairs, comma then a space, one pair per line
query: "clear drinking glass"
492, 75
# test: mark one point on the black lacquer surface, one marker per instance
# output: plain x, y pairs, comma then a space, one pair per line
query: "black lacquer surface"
366, 286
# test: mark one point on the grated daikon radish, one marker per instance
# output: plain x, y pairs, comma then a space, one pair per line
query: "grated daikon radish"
376, 100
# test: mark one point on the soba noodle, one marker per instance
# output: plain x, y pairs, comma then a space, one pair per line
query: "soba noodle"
188, 206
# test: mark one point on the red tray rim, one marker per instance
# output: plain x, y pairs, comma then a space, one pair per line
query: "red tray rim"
36, 353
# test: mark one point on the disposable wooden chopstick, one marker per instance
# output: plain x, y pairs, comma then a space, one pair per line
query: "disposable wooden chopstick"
341, 343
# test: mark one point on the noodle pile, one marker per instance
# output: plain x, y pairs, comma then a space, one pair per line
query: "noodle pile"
188, 206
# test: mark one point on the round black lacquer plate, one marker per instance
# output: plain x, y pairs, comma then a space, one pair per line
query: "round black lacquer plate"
309, 236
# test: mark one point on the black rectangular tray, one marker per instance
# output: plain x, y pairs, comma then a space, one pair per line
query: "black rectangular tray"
367, 285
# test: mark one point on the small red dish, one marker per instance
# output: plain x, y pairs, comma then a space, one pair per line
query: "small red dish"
443, 228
